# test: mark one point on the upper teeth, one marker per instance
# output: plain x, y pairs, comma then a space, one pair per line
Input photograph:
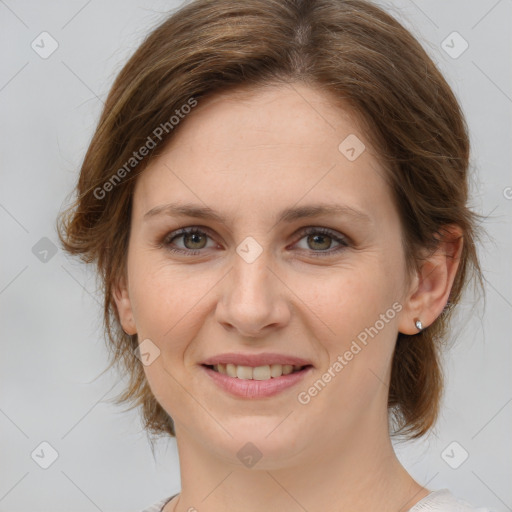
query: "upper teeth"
257, 373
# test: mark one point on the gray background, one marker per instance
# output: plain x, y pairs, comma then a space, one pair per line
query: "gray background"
52, 348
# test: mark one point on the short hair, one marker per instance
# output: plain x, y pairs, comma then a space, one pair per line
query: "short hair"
355, 52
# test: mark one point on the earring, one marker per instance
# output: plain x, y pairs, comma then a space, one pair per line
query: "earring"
419, 325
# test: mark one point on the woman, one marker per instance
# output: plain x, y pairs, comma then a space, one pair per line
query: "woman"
275, 198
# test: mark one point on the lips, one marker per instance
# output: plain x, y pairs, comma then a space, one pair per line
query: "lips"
251, 388
255, 360
255, 372
256, 375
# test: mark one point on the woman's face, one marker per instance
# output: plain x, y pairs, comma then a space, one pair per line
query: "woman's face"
327, 289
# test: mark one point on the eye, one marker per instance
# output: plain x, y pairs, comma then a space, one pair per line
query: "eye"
195, 239
320, 239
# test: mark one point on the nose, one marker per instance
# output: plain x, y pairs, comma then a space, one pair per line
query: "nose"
254, 299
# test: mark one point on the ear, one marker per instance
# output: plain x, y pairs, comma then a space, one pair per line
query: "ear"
431, 286
124, 306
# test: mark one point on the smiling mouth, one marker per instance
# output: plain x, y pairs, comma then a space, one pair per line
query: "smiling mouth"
265, 372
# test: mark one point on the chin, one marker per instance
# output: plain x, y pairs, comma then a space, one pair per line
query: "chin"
265, 442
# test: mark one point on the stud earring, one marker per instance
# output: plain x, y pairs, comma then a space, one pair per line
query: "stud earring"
419, 325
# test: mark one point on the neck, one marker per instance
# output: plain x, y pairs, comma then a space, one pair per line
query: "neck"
356, 474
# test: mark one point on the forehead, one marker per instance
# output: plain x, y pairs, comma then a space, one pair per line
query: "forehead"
264, 147
285, 114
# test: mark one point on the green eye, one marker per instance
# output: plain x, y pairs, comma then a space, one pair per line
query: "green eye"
194, 239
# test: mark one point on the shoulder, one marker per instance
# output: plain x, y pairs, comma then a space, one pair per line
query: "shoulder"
157, 507
443, 500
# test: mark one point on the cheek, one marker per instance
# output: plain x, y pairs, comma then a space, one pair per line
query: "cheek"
164, 294
355, 315
346, 300
170, 304
169, 311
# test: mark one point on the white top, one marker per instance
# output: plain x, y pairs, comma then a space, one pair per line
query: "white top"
158, 507
441, 500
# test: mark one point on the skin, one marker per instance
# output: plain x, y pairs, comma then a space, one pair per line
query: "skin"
249, 154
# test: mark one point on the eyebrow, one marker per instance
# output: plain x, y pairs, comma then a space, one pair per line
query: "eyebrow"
288, 215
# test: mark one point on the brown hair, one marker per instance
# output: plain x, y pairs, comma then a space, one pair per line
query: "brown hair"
352, 50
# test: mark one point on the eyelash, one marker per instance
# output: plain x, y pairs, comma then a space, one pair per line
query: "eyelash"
166, 242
